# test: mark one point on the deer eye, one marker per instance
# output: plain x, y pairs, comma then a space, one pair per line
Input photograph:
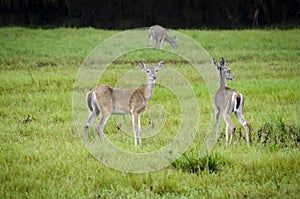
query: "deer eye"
148, 71
156, 70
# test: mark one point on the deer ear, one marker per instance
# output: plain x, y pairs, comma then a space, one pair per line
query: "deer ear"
214, 62
142, 65
160, 64
222, 62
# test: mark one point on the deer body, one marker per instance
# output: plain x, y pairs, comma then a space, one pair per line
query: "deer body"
228, 101
108, 100
160, 35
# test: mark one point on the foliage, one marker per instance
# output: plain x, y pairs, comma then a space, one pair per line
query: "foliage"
279, 134
193, 163
115, 14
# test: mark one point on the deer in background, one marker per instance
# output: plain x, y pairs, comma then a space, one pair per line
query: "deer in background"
160, 35
109, 100
227, 101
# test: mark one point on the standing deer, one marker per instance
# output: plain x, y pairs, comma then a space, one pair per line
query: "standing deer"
227, 101
160, 35
109, 100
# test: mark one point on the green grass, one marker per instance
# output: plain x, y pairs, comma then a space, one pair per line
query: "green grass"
42, 155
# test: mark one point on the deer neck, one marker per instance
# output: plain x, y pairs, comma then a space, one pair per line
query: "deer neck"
148, 89
170, 40
222, 78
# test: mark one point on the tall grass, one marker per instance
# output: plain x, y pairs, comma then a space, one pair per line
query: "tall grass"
42, 155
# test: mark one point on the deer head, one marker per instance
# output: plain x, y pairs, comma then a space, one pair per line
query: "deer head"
223, 69
151, 72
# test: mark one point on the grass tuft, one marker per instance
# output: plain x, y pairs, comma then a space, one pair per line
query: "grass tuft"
193, 163
277, 133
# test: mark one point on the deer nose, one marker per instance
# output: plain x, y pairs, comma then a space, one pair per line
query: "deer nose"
154, 77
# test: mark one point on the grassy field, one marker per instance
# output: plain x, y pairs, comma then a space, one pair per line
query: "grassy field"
42, 155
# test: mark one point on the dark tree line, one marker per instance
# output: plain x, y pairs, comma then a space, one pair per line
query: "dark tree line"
124, 14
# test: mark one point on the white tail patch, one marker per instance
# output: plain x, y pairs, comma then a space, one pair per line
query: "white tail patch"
237, 101
241, 102
234, 101
94, 102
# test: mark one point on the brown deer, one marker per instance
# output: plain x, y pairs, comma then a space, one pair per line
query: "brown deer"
160, 35
108, 100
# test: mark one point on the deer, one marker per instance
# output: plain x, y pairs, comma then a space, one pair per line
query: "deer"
109, 100
227, 101
160, 35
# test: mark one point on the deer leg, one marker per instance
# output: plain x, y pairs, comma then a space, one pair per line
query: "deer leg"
161, 43
217, 124
100, 127
139, 130
135, 127
248, 138
93, 115
240, 117
229, 124
226, 134
150, 40
156, 40
231, 135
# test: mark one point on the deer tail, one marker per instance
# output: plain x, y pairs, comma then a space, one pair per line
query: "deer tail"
89, 98
150, 32
238, 99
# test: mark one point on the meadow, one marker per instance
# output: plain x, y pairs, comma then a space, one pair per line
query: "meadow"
42, 153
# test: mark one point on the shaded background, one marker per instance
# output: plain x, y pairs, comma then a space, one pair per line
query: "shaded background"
124, 14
